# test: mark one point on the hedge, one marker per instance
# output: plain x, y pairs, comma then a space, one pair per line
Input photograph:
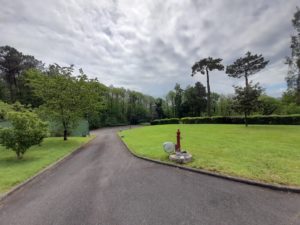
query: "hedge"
258, 119
165, 121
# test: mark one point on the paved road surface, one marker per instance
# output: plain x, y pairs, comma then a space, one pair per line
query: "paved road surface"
104, 184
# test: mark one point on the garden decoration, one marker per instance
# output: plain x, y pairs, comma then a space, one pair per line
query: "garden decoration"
175, 152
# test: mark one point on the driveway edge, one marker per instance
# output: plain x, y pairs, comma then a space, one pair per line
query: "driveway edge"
227, 177
48, 168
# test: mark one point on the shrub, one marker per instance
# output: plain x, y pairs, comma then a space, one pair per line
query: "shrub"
165, 121
26, 130
257, 119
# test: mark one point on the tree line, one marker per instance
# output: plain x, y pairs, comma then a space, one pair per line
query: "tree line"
62, 94
247, 99
66, 95
32, 93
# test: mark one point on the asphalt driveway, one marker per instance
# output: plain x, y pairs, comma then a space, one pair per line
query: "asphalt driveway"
104, 184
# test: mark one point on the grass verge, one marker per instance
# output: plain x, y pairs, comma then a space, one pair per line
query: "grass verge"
14, 171
259, 152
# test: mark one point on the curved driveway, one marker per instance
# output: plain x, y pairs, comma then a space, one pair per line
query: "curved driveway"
105, 184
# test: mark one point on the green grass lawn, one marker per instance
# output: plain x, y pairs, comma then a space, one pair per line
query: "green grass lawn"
14, 171
260, 152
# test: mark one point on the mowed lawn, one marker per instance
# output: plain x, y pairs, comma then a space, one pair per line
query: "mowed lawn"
14, 171
259, 152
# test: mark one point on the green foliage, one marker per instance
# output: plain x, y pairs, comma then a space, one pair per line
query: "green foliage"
268, 105
246, 66
27, 130
256, 119
195, 100
246, 99
165, 121
4, 109
178, 100
204, 66
288, 97
291, 108
4, 93
170, 102
224, 106
66, 98
80, 129
293, 76
123, 107
189, 102
207, 64
12, 65
288, 103
159, 108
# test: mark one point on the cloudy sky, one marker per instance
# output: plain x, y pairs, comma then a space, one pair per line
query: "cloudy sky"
149, 46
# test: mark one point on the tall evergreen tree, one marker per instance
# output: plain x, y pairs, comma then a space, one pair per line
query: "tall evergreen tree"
159, 108
293, 61
204, 66
170, 100
244, 67
10, 67
178, 100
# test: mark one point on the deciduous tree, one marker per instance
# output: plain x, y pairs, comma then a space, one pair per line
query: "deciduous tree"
66, 98
195, 102
268, 105
27, 130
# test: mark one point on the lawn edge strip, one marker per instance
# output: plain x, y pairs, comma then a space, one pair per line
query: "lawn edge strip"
43, 171
275, 187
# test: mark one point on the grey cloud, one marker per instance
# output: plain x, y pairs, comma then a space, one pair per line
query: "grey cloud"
151, 45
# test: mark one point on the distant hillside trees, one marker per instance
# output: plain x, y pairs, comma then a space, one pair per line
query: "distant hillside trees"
191, 101
194, 100
178, 100
12, 66
67, 97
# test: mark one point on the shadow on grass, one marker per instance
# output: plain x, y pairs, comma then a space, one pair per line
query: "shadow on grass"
12, 160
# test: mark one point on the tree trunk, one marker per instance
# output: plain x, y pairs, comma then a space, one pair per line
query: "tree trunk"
11, 94
298, 88
247, 84
19, 155
65, 135
246, 80
87, 119
245, 119
208, 94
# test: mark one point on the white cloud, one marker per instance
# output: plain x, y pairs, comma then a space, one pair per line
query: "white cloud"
151, 45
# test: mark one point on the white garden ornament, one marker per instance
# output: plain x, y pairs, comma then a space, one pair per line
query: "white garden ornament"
169, 147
